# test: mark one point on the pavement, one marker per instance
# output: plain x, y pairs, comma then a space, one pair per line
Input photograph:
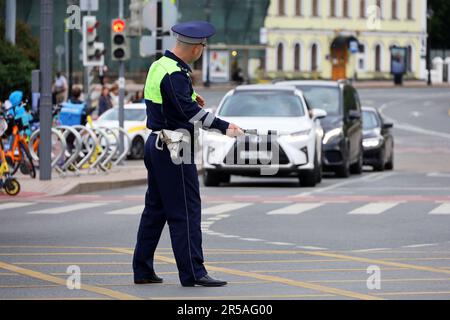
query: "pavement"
380, 235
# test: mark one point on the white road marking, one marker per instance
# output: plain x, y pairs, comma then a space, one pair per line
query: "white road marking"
128, 211
227, 207
281, 243
70, 208
421, 245
375, 208
371, 250
15, 205
295, 209
439, 174
442, 209
311, 248
251, 239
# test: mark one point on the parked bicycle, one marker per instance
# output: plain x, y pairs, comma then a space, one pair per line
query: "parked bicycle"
7, 182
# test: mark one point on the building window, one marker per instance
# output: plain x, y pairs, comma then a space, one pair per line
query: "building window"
394, 10
378, 58
315, 8
409, 9
297, 57
345, 8
380, 8
362, 58
332, 8
410, 57
281, 11
314, 58
362, 8
298, 7
280, 57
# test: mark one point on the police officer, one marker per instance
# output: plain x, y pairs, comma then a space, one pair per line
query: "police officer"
173, 194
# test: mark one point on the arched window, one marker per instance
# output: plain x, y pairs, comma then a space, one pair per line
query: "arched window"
281, 11
314, 57
394, 9
315, 8
280, 57
378, 58
362, 8
332, 8
298, 8
345, 9
297, 57
409, 9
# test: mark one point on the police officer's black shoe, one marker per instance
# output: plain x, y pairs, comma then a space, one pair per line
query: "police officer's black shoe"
207, 281
152, 279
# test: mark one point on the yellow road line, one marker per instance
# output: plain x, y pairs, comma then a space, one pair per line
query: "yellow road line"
321, 270
290, 282
382, 280
273, 261
52, 279
107, 274
261, 297
378, 262
8, 274
78, 263
413, 293
60, 254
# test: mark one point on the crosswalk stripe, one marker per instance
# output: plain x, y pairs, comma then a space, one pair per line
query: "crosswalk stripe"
14, 205
227, 207
442, 209
70, 208
374, 208
137, 210
295, 209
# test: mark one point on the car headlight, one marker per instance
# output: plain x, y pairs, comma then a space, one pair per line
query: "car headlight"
330, 135
372, 142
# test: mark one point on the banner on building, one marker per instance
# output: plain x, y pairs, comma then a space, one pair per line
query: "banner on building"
219, 66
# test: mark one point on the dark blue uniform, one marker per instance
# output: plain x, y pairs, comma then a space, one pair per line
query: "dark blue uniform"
173, 194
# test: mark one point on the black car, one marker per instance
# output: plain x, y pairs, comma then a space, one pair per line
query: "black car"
342, 143
378, 141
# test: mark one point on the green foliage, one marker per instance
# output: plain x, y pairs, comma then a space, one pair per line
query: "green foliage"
17, 62
440, 37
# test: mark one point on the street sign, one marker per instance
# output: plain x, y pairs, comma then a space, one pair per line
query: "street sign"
354, 47
170, 15
147, 46
89, 5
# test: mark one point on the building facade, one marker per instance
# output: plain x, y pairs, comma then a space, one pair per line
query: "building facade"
335, 39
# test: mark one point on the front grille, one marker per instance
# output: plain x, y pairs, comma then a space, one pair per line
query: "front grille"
333, 156
259, 144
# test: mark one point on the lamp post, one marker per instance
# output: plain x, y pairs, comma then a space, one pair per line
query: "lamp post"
430, 14
208, 18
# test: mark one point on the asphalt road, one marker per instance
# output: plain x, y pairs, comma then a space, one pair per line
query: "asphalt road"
269, 238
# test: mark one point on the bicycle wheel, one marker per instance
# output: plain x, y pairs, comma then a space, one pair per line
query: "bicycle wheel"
26, 166
12, 187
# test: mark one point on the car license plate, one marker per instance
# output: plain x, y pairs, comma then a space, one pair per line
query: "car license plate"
256, 154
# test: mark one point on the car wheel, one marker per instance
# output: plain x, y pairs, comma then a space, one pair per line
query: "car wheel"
318, 169
390, 164
357, 168
137, 149
225, 178
211, 179
380, 165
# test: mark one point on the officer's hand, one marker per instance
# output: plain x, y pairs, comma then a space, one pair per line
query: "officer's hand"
201, 102
234, 131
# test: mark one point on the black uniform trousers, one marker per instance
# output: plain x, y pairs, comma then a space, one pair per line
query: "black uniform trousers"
173, 196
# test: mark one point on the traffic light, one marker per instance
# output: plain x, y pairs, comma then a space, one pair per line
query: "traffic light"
93, 51
135, 22
119, 42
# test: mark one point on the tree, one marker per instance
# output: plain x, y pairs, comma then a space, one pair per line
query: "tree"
440, 37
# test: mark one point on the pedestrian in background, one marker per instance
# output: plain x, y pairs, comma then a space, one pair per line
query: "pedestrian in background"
104, 102
138, 97
114, 93
59, 89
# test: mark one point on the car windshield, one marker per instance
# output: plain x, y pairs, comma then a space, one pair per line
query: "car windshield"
263, 104
326, 98
130, 115
370, 120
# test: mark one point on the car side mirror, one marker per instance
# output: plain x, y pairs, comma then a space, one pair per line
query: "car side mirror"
318, 114
388, 126
354, 115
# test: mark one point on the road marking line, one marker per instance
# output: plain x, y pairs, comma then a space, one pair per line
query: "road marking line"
290, 282
59, 254
133, 211
382, 280
15, 205
272, 261
45, 277
442, 209
277, 296
377, 262
322, 270
281, 243
227, 207
252, 239
421, 245
295, 209
70, 208
371, 250
375, 208
311, 248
